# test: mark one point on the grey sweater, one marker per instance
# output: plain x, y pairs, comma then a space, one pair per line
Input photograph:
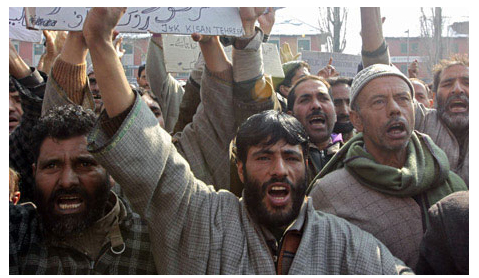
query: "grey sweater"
195, 229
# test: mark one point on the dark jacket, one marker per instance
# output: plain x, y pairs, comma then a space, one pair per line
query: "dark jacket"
445, 245
32, 253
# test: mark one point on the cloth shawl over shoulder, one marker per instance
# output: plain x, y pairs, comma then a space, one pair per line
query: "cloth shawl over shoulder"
426, 169
197, 230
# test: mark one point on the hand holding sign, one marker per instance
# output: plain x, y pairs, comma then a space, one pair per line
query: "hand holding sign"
328, 71
248, 18
266, 20
99, 24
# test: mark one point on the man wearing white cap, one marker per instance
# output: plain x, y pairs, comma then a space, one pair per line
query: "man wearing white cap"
385, 178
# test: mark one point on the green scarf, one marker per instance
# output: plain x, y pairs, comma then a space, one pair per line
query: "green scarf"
426, 170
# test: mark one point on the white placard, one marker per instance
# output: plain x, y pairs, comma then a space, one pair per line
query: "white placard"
18, 28
172, 20
181, 55
345, 64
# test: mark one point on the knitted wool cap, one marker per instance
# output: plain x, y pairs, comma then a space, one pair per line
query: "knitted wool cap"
287, 67
372, 72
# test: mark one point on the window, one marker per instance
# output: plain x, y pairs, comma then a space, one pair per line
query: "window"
404, 48
414, 48
127, 59
37, 53
304, 44
455, 48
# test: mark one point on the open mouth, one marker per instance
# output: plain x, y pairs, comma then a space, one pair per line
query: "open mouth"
396, 130
69, 203
278, 194
458, 106
317, 120
13, 119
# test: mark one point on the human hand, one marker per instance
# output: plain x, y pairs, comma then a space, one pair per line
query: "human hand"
119, 49
413, 69
17, 67
286, 55
100, 23
328, 71
54, 42
249, 15
266, 21
201, 38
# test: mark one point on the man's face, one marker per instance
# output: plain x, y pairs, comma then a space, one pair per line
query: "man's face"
155, 108
275, 182
314, 108
453, 97
95, 90
142, 82
386, 115
71, 187
420, 93
15, 111
340, 93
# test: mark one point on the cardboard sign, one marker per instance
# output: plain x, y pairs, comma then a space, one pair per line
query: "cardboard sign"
182, 52
345, 64
172, 20
18, 28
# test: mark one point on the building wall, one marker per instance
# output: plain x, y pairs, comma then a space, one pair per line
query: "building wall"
419, 49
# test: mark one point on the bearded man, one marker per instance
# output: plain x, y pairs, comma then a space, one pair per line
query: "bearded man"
77, 225
448, 124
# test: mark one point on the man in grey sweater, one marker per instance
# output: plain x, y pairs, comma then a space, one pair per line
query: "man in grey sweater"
195, 229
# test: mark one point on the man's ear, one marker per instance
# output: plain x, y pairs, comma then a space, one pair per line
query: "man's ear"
356, 120
289, 112
240, 165
16, 197
284, 90
34, 168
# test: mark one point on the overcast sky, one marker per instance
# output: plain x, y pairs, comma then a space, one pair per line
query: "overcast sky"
398, 20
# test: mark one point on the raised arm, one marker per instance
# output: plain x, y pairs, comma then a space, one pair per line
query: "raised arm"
374, 49
98, 31
253, 90
68, 80
166, 88
30, 85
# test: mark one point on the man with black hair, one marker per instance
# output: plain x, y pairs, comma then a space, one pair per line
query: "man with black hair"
339, 91
141, 78
77, 225
15, 110
198, 230
293, 71
310, 102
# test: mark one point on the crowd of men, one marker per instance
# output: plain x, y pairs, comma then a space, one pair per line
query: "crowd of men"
235, 172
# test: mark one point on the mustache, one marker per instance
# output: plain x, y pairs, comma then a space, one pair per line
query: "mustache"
317, 112
274, 180
452, 98
396, 120
68, 191
342, 117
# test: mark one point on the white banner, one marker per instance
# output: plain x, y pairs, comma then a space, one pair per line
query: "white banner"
18, 28
172, 20
404, 59
182, 52
345, 64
